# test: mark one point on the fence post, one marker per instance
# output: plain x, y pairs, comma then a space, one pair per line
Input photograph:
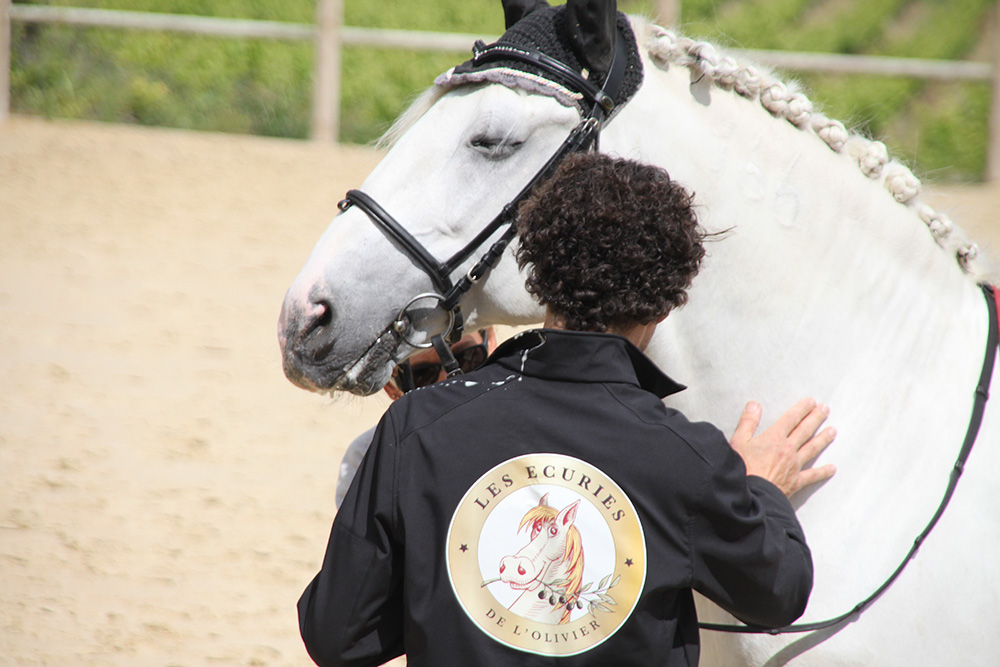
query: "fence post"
993, 134
326, 79
5, 47
668, 12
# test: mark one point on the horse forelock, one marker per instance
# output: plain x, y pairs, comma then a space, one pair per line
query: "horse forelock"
784, 100
421, 105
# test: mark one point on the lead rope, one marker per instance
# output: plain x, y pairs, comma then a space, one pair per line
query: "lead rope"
978, 409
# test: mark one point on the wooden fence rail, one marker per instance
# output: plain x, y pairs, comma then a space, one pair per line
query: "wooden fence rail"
330, 34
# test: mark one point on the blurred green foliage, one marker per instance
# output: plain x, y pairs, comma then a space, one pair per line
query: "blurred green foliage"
264, 86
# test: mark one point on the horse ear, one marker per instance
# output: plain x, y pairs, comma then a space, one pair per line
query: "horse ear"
568, 515
515, 10
591, 25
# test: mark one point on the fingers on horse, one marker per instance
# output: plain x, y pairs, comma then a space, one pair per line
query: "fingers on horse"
748, 423
810, 422
815, 446
793, 417
812, 476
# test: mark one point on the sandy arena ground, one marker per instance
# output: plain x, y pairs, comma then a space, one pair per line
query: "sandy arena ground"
166, 493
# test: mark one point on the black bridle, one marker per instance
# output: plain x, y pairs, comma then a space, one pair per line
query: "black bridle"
598, 105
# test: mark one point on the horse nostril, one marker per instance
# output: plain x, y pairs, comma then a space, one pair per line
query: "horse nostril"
520, 570
502, 568
316, 319
315, 340
323, 315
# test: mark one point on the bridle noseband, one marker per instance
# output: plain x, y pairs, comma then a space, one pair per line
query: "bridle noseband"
598, 106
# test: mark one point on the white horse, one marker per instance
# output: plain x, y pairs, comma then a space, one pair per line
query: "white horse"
832, 280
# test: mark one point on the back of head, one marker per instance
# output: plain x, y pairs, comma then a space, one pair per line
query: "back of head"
611, 242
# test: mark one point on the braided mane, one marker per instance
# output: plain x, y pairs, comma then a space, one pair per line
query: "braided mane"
784, 100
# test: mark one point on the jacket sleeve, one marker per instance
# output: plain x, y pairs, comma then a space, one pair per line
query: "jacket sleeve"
352, 612
749, 552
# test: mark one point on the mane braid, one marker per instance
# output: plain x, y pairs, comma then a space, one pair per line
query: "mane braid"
784, 100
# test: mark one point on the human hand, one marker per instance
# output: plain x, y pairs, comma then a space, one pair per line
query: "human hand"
779, 453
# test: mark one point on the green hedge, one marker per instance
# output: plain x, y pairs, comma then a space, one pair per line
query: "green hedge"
264, 86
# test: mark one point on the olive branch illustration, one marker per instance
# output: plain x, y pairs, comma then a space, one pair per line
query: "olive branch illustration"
555, 591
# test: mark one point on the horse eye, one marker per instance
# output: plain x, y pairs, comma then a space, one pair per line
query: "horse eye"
483, 141
553, 530
494, 148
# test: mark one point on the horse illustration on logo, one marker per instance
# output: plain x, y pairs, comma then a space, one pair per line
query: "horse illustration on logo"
515, 554
549, 569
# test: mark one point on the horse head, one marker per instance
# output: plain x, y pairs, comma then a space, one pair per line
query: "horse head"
551, 533
457, 159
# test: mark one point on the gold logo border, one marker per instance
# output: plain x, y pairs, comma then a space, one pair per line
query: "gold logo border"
491, 616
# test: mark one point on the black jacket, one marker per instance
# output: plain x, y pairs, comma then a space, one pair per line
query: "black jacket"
425, 553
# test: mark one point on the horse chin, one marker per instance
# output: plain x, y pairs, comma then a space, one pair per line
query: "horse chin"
530, 586
366, 375
363, 376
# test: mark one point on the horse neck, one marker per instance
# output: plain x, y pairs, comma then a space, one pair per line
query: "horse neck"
817, 256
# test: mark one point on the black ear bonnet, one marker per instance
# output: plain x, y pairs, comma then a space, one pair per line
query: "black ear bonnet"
546, 30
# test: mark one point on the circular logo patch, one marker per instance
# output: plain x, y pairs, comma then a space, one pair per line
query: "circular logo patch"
546, 554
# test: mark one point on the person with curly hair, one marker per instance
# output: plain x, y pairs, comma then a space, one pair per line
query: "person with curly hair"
611, 244
549, 508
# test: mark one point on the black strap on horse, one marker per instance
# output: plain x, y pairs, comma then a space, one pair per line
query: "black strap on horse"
978, 409
600, 101
583, 137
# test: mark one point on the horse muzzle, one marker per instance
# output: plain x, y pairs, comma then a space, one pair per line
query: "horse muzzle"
313, 357
519, 572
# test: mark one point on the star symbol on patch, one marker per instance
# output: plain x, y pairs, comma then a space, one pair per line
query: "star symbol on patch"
464, 548
628, 562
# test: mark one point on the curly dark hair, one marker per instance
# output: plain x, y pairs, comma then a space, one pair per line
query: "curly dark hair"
611, 242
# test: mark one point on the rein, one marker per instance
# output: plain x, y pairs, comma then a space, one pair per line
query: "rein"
582, 138
978, 409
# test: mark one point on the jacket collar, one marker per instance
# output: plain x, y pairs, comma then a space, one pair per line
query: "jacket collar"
579, 356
